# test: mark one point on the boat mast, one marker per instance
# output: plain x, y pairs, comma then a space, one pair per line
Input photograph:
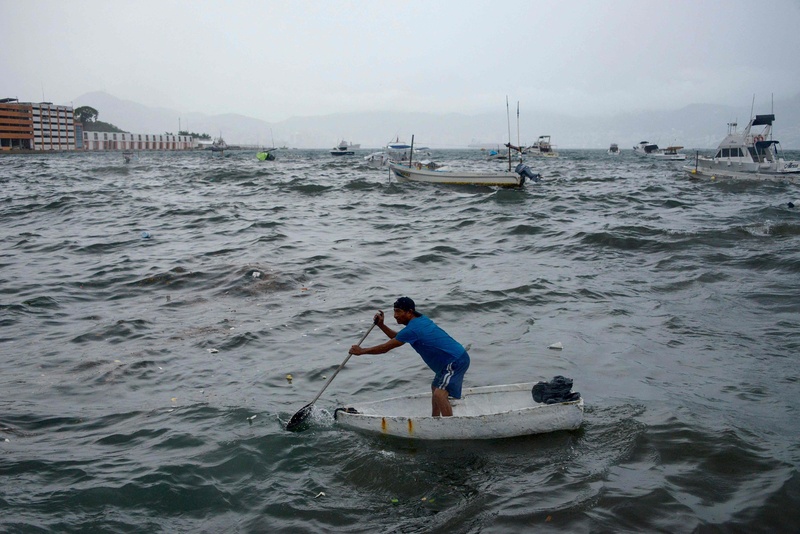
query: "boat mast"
508, 119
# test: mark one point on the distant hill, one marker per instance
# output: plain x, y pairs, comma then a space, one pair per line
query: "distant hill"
699, 126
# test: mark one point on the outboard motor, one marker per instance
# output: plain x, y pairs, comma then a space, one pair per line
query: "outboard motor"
526, 172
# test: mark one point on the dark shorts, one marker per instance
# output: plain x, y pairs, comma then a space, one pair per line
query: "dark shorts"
452, 376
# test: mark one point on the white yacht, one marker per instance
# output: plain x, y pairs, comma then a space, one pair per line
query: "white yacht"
400, 151
751, 154
542, 148
613, 150
345, 149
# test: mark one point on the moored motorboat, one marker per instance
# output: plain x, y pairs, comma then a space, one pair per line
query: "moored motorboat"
542, 148
400, 151
345, 149
488, 412
651, 150
219, 145
747, 155
405, 173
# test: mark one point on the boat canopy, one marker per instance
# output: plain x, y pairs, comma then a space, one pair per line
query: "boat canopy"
763, 120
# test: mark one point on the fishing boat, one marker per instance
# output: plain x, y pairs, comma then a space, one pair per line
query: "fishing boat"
542, 148
345, 149
411, 173
651, 150
613, 150
219, 145
748, 155
488, 412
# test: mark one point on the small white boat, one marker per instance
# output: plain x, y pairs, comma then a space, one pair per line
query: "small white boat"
345, 149
613, 150
400, 151
542, 148
377, 159
489, 412
747, 155
651, 150
219, 145
404, 173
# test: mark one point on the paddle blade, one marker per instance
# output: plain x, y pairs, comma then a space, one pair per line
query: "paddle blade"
299, 421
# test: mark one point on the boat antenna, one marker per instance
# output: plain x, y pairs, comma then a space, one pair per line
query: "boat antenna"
752, 104
411, 152
518, 144
508, 119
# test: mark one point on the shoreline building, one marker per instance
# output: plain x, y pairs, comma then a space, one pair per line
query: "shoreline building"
39, 126
44, 127
105, 141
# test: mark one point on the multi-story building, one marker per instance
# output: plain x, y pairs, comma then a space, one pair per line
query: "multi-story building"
43, 127
94, 141
16, 125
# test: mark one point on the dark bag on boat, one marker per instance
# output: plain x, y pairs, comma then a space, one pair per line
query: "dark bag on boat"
559, 389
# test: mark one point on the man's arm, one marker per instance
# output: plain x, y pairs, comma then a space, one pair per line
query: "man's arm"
377, 349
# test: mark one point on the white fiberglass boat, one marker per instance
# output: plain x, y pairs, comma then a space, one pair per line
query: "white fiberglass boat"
405, 173
542, 148
651, 150
489, 412
751, 154
345, 149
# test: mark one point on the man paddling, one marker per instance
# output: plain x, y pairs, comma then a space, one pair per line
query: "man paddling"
444, 355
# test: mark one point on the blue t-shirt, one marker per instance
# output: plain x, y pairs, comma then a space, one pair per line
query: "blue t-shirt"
435, 346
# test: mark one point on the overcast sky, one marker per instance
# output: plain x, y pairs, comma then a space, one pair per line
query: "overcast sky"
276, 59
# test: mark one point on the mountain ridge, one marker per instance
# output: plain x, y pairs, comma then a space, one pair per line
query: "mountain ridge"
699, 126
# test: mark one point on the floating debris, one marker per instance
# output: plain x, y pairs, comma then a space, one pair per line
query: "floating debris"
213, 351
289, 378
320, 494
250, 419
256, 274
556, 346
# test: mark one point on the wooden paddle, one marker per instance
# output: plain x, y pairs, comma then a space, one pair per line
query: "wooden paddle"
297, 421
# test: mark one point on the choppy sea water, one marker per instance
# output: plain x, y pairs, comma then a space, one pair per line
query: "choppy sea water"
144, 379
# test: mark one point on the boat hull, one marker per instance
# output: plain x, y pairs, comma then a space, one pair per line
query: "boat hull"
489, 412
403, 173
721, 173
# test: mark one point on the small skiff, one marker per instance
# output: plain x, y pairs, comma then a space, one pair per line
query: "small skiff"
488, 412
404, 173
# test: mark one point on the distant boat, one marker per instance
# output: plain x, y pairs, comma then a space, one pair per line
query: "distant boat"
127, 156
400, 151
218, 145
651, 150
613, 149
542, 148
748, 155
345, 149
